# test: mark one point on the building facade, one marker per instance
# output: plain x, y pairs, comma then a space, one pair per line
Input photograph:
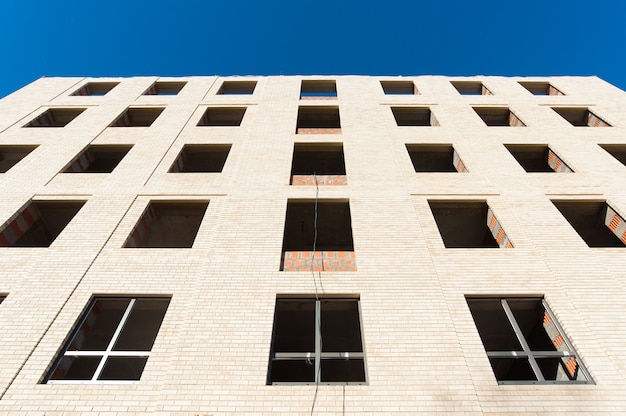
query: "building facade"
313, 245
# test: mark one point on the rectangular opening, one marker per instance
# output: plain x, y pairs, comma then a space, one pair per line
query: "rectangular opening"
501, 116
165, 88
222, 116
237, 88
12, 155
38, 224
98, 159
414, 116
56, 117
318, 163
201, 158
463, 224
580, 117
138, 117
594, 221
471, 88
399, 88
537, 158
618, 151
168, 224
95, 88
318, 90
318, 120
434, 158
541, 88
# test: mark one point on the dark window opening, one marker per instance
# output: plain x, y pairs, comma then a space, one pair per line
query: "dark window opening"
317, 341
168, 224
471, 88
618, 151
463, 224
12, 155
433, 157
56, 117
399, 87
581, 117
321, 160
537, 158
222, 116
524, 342
318, 90
591, 220
414, 116
318, 120
112, 341
498, 117
39, 224
95, 88
98, 159
237, 88
541, 88
138, 117
201, 158
165, 88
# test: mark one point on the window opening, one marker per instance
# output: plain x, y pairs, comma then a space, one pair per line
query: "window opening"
222, 116
318, 90
399, 88
56, 117
414, 116
321, 164
580, 117
95, 88
334, 246
435, 158
541, 88
138, 117
618, 151
468, 224
537, 158
318, 120
317, 341
525, 343
237, 88
165, 88
111, 342
498, 117
12, 155
596, 222
38, 224
471, 88
201, 158
168, 224
98, 159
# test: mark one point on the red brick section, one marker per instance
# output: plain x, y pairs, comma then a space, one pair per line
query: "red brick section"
324, 261
554, 91
319, 130
497, 231
321, 180
559, 343
595, 121
556, 163
44, 120
17, 225
514, 121
81, 164
616, 223
458, 163
485, 91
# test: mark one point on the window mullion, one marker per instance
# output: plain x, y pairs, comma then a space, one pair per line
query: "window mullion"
318, 340
522, 340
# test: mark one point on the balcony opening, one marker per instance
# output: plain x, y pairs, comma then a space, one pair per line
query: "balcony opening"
56, 117
165, 88
471, 88
580, 117
493, 116
399, 88
138, 117
201, 158
595, 222
237, 88
334, 249
537, 158
222, 116
38, 224
318, 164
435, 158
95, 88
12, 155
618, 151
318, 120
318, 90
541, 88
98, 159
168, 224
414, 116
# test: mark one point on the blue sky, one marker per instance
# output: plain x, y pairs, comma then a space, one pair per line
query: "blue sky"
236, 37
